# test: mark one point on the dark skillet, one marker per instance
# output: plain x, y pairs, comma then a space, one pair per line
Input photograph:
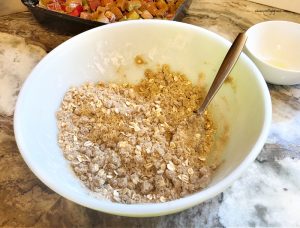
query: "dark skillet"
66, 24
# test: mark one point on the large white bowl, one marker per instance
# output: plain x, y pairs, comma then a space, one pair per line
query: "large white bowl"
243, 105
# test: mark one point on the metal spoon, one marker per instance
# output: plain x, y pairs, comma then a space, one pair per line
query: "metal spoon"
224, 70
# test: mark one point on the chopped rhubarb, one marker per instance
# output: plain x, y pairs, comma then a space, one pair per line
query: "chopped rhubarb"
132, 15
114, 10
111, 17
94, 4
146, 14
55, 6
133, 4
117, 12
106, 2
161, 4
121, 4
170, 16
76, 12
46, 2
151, 7
86, 15
102, 18
77, 2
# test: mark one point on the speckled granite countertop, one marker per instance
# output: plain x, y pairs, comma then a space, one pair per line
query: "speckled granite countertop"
268, 193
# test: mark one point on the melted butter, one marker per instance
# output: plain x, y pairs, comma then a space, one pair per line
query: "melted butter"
280, 63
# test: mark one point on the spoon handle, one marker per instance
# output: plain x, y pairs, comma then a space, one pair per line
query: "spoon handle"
225, 68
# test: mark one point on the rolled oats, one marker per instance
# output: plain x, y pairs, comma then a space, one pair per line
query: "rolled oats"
138, 143
170, 166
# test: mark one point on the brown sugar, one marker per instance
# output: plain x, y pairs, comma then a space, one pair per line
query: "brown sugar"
138, 143
139, 60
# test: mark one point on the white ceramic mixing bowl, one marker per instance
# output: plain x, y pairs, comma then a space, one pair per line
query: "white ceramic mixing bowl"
242, 107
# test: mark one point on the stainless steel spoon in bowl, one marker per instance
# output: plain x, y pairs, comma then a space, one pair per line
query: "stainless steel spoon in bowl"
224, 70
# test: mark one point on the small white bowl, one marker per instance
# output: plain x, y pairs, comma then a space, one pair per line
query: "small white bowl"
274, 46
242, 107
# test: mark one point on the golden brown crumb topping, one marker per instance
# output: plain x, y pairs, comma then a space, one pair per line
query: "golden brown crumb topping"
138, 143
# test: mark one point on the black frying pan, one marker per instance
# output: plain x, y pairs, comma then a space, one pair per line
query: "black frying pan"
66, 24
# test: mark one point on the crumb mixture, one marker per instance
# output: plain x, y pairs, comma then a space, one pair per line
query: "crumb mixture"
138, 143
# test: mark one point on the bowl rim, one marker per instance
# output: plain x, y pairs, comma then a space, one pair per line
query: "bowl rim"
148, 209
276, 22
